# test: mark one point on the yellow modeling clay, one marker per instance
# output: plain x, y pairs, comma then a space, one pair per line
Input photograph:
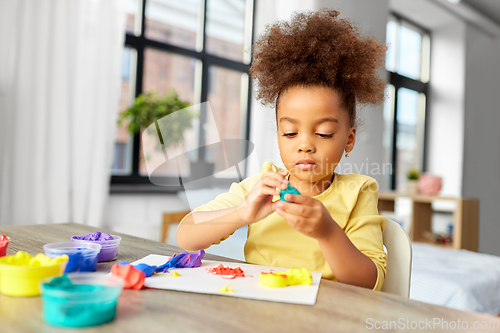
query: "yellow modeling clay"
24, 259
228, 288
286, 278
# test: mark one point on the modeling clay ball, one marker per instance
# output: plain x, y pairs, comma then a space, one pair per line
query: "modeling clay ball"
133, 278
289, 190
286, 278
109, 244
80, 300
21, 274
4, 242
82, 258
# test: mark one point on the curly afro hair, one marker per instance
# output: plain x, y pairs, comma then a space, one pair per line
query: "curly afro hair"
318, 48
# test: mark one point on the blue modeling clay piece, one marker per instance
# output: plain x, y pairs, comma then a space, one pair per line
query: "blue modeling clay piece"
289, 190
146, 269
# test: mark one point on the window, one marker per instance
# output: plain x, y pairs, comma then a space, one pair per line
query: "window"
407, 62
202, 49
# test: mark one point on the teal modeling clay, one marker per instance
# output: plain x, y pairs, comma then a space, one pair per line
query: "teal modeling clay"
78, 305
289, 190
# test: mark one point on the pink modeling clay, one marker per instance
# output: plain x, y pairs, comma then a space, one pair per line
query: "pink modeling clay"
221, 270
134, 278
182, 260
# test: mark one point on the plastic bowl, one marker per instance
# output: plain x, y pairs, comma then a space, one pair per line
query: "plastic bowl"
3, 247
82, 258
109, 250
16, 280
90, 299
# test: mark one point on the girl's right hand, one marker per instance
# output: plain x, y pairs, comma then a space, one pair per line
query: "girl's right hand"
258, 203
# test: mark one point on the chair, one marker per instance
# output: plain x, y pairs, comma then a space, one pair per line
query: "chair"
398, 274
168, 219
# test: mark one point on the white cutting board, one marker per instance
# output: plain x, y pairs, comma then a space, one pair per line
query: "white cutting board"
198, 280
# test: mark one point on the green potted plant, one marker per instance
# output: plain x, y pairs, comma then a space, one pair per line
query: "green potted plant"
149, 108
412, 181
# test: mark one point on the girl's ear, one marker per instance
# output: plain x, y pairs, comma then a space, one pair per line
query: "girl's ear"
351, 139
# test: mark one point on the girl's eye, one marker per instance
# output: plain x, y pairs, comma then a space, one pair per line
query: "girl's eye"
324, 135
289, 134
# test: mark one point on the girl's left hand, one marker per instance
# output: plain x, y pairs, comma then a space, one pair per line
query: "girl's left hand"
306, 215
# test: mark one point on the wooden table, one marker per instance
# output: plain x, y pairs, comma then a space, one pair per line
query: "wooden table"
339, 307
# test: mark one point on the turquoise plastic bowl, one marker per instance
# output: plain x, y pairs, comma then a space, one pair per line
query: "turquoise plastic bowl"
92, 301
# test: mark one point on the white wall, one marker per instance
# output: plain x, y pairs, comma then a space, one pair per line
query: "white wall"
481, 170
445, 134
140, 214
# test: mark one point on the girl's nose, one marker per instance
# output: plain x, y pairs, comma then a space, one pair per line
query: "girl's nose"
306, 146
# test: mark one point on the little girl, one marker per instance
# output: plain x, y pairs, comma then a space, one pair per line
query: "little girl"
313, 69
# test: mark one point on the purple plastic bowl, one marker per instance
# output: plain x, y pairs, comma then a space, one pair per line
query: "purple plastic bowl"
109, 250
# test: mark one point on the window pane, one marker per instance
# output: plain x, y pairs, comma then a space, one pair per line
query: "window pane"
163, 72
410, 52
409, 138
133, 19
226, 89
123, 144
173, 21
225, 29
391, 36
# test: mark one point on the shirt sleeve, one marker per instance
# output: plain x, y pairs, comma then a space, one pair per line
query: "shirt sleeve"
365, 227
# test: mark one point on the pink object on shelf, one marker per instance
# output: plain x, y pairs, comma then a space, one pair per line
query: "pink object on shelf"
429, 185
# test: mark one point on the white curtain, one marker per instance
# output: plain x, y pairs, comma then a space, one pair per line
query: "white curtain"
60, 65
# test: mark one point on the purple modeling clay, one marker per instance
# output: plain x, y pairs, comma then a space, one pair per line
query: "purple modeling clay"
109, 244
96, 236
182, 260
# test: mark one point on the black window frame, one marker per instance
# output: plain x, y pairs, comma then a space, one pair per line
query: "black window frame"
135, 183
401, 81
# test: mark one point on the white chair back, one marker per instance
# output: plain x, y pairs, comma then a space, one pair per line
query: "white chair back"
398, 274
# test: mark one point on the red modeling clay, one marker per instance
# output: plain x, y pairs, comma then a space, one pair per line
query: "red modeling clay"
134, 278
221, 270
4, 242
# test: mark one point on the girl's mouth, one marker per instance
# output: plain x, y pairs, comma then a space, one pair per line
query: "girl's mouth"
305, 164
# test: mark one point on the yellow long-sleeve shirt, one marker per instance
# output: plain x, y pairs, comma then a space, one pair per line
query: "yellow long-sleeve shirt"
352, 202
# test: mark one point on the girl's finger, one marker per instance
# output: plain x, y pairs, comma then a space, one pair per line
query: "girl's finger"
269, 190
301, 210
289, 218
300, 199
273, 182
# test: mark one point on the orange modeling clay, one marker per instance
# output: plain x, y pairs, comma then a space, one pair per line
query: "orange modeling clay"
221, 270
134, 278
286, 278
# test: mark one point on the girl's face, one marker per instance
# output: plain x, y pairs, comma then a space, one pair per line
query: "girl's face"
313, 132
